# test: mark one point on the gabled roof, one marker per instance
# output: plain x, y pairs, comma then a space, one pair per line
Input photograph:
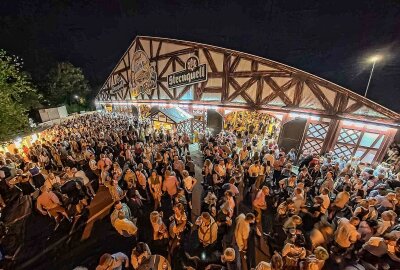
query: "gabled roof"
236, 79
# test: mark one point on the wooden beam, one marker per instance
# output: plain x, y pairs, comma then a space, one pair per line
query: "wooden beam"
387, 141
126, 92
119, 94
180, 62
165, 67
260, 73
225, 77
260, 86
139, 45
331, 136
184, 91
254, 66
234, 84
376, 140
210, 61
371, 148
130, 94
200, 90
288, 84
120, 71
215, 75
343, 102
278, 91
123, 74
166, 90
172, 54
268, 98
234, 64
173, 64
212, 89
320, 96
158, 49
242, 89
151, 48
340, 102
248, 99
298, 93
354, 107
174, 70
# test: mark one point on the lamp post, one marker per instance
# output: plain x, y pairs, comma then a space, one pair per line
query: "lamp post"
373, 59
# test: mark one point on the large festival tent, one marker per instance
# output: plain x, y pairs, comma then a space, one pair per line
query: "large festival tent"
199, 78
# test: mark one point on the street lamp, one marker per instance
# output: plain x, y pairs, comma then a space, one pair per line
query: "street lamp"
373, 60
76, 96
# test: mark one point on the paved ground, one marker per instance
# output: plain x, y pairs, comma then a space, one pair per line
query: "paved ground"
45, 249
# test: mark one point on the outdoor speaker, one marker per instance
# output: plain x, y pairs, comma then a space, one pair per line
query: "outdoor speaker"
214, 121
292, 134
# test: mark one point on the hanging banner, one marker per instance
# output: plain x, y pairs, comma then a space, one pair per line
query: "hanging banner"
144, 76
193, 73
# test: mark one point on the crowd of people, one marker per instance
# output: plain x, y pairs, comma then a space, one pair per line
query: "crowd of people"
252, 127
392, 157
241, 206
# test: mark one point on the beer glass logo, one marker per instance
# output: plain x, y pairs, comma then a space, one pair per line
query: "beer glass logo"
144, 76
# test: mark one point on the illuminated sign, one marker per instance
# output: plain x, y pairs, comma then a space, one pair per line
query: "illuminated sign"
193, 73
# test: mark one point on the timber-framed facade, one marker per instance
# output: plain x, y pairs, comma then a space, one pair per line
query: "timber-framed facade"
236, 80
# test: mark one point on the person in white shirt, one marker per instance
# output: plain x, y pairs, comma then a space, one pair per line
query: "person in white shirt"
327, 201
113, 262
387, 220
124, 226
188, 182
232, 187
85, 180
346, 233
242, 229
342, 198
298, 199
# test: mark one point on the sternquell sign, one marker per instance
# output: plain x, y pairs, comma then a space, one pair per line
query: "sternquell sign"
192, 74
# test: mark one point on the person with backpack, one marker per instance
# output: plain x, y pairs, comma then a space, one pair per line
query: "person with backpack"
208, 229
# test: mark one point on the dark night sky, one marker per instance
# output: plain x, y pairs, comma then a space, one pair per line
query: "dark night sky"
328, 38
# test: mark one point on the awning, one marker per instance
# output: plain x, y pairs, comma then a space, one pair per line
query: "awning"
177, 115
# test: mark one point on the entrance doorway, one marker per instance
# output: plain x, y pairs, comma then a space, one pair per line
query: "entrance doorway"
252, 126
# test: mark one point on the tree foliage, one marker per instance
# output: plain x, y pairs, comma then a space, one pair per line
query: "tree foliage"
17, 96
65, 84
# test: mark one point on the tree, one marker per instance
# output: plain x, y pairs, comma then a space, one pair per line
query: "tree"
66, 85
17, 96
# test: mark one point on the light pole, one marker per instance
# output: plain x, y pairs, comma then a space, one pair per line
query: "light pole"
373, 59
